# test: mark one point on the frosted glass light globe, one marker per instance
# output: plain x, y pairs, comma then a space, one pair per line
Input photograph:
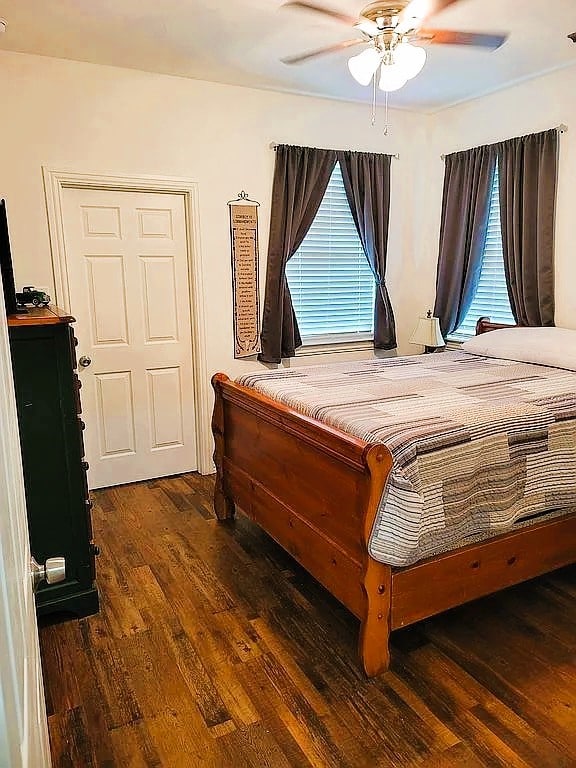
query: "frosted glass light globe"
410, 59
363, 66
392, 78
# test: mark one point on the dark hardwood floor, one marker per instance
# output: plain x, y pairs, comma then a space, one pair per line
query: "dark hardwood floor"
213, 648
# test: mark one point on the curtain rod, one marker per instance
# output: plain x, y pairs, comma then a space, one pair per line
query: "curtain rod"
562, 128
273, 145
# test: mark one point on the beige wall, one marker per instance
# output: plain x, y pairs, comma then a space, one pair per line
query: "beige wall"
82, 117
532, 106
87, 118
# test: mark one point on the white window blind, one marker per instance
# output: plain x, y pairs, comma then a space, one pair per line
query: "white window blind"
331, 283
491, 296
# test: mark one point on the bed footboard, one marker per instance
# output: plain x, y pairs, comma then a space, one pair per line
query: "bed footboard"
315, 490
224, 506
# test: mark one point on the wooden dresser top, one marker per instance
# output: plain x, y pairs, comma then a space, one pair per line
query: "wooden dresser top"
40, 316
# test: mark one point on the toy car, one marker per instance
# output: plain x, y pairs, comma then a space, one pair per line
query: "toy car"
30, 295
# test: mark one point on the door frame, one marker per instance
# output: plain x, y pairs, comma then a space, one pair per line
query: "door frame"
24, 737
55, 182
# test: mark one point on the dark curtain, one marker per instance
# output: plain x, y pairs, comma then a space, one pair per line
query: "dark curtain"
301, 175
528, 168
367, 182
468, 178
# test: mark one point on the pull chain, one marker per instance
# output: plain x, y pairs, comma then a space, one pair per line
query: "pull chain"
386, 123
374, 100
373, 120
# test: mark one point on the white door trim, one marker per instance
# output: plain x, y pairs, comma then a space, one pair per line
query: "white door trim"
54, 184
24, 739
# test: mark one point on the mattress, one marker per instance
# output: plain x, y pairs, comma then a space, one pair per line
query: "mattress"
480, 445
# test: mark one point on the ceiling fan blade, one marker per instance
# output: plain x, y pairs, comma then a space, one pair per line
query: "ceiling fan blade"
342, 17
299, 58
367, 26
489, 40
418, 11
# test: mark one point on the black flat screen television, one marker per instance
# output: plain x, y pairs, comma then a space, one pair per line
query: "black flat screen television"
6, 263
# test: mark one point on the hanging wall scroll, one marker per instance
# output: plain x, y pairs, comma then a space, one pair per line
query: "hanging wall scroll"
244, 243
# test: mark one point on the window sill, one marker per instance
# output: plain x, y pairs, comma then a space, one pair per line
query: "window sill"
326, 346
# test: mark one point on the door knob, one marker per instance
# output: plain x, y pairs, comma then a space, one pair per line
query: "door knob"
53, 571
85, 361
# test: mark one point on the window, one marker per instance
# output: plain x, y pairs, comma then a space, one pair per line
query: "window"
491, 296
331, 283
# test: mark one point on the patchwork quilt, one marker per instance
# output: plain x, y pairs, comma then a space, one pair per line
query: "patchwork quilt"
480, 445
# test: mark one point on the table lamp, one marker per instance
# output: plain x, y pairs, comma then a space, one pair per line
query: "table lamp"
427, 333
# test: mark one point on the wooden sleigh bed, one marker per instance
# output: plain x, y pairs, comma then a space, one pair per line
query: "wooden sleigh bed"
316, 491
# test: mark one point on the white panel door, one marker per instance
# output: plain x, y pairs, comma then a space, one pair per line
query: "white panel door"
23, 730
127, 271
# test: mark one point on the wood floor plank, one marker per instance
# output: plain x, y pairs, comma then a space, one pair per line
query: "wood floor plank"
133, 748
536, 691
120, 609
152, 602
254, 747
450, 692
297, 717
177, 747
458, 756
270, 709
164, 696
217, 653
55, 648
70, 741
70, 635
214, 649
276, 646
109, 674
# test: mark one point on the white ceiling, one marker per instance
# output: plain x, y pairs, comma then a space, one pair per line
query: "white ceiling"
241, 42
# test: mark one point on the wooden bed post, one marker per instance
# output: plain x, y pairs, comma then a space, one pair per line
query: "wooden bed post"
375, 628
223, 502
377, 577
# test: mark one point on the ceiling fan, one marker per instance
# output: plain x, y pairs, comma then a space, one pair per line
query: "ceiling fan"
388, 29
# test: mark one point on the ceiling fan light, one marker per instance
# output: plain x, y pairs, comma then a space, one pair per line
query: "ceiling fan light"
410, 58
392, 78
363, 66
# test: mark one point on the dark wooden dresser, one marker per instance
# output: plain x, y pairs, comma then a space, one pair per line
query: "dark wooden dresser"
42, 344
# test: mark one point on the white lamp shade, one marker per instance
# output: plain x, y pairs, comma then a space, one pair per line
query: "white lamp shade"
391, 77
410, 59
363, 66
427, 333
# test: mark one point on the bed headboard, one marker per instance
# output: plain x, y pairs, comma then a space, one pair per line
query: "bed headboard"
484, 325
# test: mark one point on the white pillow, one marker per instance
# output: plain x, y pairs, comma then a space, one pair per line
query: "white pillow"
555, 347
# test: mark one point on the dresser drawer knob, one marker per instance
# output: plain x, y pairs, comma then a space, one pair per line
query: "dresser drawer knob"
95, 549
85, 466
